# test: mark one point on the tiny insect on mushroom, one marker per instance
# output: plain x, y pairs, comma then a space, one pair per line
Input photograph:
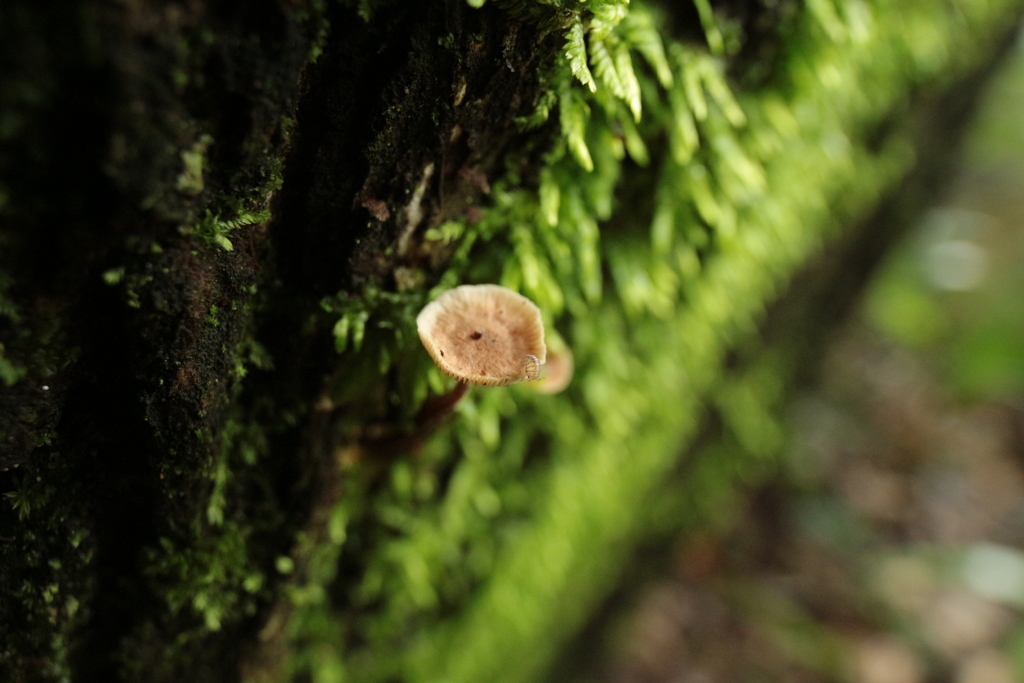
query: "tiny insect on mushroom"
558, 369
484, 334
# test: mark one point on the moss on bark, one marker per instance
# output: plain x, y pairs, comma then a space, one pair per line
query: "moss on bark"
219, 222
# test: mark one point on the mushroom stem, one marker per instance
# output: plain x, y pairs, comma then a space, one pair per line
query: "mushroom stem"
429, 419
436, 409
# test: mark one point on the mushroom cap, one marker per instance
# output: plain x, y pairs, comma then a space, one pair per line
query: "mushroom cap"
484, 334
558, 369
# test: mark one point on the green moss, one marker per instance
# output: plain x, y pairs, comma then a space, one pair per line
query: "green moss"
30, 493
537, 507
668, 211
10, 372
215, 230
193, 160
56, 550
216, 581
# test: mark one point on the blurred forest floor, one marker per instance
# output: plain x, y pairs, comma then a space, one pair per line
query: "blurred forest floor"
889, 546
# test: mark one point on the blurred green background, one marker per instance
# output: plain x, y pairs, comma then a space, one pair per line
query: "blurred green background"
954, 292
888, 545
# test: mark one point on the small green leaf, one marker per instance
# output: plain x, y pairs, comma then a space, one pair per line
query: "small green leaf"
720, 92
341, 332
606, 18
683, 139
549, 198
639, 31
576, 51
223, 242
114, 275
574, 115
604, 67
627, 78
711, 31
359, 328
634, 143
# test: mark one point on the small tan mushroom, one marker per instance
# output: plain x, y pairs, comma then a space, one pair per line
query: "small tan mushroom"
484, 334
558, 369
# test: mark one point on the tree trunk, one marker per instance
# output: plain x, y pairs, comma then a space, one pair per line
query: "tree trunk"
218, 221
